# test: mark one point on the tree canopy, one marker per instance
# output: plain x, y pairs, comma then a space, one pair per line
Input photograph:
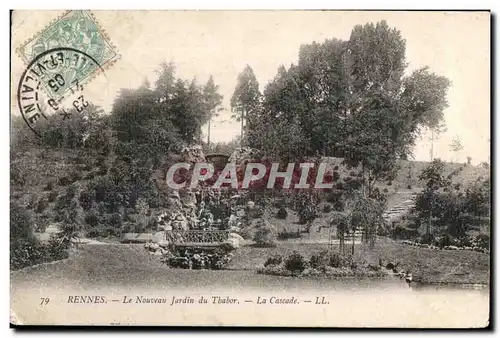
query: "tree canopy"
349, 99
245, 101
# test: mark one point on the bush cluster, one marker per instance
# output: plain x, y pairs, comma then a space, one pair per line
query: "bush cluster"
320, 264
25, 253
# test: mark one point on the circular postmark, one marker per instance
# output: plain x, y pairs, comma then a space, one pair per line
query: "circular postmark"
52, 77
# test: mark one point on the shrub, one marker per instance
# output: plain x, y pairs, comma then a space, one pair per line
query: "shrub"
55, 250
443, 241
43, 220
354, 184
89, 176
52, 196
86, 199
279, 203
333, 196
142, 206
283, 235
307, 210
336, 176
41, 205
114, 220
409, 187
389, 183
152, 222
465, 241
75, 176
339, 186
427, 238
256, 212
482, 241
21, 223
402, 231
295, 263
95, 232
327, 207
92, 218
64, 181
265, 236
319, 260
277, 270
101, 160
282, 213
386, 190
337, 260
49, 186
336, 167
353, 174
32, 201
246, 233
103, 170
112, 231
274, 260
26, 253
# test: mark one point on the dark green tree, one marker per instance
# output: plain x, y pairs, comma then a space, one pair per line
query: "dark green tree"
212, 100
427, 203
245, 101
21, 223
387, 110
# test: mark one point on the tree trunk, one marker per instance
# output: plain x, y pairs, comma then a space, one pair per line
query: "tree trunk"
353, 233
363, 179
208, 138
370, 184
432, 144
430, 220
431, 204
242, 117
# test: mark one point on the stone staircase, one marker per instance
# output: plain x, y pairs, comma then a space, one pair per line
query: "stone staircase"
400, 207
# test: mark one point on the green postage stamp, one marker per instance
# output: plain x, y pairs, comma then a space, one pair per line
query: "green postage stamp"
77, 30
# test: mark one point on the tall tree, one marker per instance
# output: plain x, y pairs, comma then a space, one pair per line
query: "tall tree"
166, 116
424, 95
351, 99
387, 110
246, 98
456, 146
434, 179
212, 100
322, 77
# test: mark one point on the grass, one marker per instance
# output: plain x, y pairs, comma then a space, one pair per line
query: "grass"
435, 266
127, 265
426, 265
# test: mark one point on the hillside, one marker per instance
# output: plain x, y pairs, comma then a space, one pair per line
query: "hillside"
409, 171
41, 180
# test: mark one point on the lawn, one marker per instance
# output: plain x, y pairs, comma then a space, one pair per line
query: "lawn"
128, 264
426, 265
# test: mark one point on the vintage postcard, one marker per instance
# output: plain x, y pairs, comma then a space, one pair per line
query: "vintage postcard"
250, 168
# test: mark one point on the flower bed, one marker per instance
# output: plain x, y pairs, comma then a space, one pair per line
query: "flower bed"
323, 264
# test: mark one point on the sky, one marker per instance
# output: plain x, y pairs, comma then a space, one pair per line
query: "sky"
221, 43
